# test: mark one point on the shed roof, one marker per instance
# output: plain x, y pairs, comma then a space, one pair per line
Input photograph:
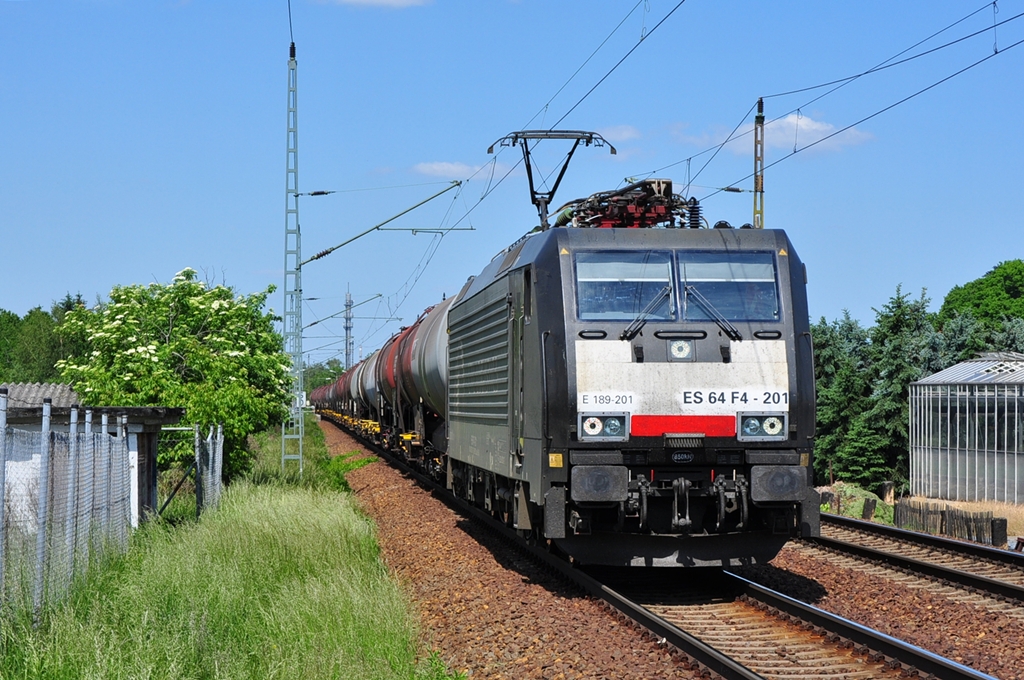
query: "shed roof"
987, 368
25, 405
31, 395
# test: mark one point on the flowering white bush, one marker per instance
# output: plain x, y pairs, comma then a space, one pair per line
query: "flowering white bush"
183, 345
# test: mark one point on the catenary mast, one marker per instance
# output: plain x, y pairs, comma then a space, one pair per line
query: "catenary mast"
759, 166
292, 428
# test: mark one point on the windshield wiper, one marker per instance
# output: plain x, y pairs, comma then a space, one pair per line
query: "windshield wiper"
634, 328
722, 322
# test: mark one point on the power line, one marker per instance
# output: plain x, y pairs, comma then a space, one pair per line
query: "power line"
393, 186
492, 186
619, 63
417, 272
587, 61
876, 113
886, 65
291, 35
842, 82
719, 148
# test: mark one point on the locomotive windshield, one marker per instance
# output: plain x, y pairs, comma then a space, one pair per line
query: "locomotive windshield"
619, 285
741, 286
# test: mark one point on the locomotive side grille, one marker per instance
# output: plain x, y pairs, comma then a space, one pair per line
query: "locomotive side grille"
478, 362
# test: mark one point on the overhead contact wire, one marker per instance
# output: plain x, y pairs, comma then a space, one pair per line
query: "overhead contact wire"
587, 61
491, 187
842, 82
886, 65
876, 113
619, 63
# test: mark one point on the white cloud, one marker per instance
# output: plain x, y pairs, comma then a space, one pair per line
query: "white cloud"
447, 170
795, 129
382, 3
800, 131
620, 133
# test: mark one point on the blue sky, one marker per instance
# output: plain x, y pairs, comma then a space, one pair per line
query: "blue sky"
140, 138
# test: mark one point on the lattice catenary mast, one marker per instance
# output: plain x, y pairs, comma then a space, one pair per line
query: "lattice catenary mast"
292, 428
759, 166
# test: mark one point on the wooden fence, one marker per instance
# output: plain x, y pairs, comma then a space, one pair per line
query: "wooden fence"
945, 520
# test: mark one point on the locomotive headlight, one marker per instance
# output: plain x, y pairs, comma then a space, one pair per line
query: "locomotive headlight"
680, 350
751, 427
593, 426
603, 427
761, 427
772, 425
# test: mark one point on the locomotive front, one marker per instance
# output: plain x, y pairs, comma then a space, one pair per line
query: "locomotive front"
689, 396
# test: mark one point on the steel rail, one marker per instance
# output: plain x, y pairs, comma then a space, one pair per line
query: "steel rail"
961, 578
893, 648
973, 549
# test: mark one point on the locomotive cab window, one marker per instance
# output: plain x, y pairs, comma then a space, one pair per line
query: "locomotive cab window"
737, 286
617, 286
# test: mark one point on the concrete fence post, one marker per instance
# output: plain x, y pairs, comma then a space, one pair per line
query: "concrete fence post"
71, 505
200, 471
42, 508
123, 490
104, 469
85, 527
218, 471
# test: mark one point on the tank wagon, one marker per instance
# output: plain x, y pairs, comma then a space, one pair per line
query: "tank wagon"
628, 385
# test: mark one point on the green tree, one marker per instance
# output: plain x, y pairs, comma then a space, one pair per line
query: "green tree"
963, 336
30, 347
9, 325
36, 349
1010, 336
318, 375
862, 455
841, 363
183, 345
903, 341
997, 295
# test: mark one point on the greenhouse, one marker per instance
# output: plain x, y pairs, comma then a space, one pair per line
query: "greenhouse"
967, 431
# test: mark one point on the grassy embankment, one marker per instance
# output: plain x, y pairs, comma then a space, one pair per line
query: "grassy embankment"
283, 581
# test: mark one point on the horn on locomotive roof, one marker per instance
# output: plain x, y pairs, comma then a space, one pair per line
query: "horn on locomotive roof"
542, 199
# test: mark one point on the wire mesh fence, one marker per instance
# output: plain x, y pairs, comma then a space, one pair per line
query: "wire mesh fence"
190, 457
209, 469
66, 503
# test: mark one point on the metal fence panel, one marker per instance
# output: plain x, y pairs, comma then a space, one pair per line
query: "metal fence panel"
209, 468
65, 502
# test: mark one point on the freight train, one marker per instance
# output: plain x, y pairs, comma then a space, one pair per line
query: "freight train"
629, 386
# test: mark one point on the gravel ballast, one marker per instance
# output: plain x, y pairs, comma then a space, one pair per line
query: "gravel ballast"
490, 613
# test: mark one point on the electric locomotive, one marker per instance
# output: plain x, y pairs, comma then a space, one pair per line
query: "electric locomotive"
628, 385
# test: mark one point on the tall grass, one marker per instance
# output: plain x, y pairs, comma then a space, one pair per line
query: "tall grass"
320, 469
283, 581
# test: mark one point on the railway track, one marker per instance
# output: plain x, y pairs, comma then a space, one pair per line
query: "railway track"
979, 571
741, 630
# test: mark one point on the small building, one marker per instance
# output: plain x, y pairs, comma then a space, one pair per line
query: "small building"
967, 431
25, 412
